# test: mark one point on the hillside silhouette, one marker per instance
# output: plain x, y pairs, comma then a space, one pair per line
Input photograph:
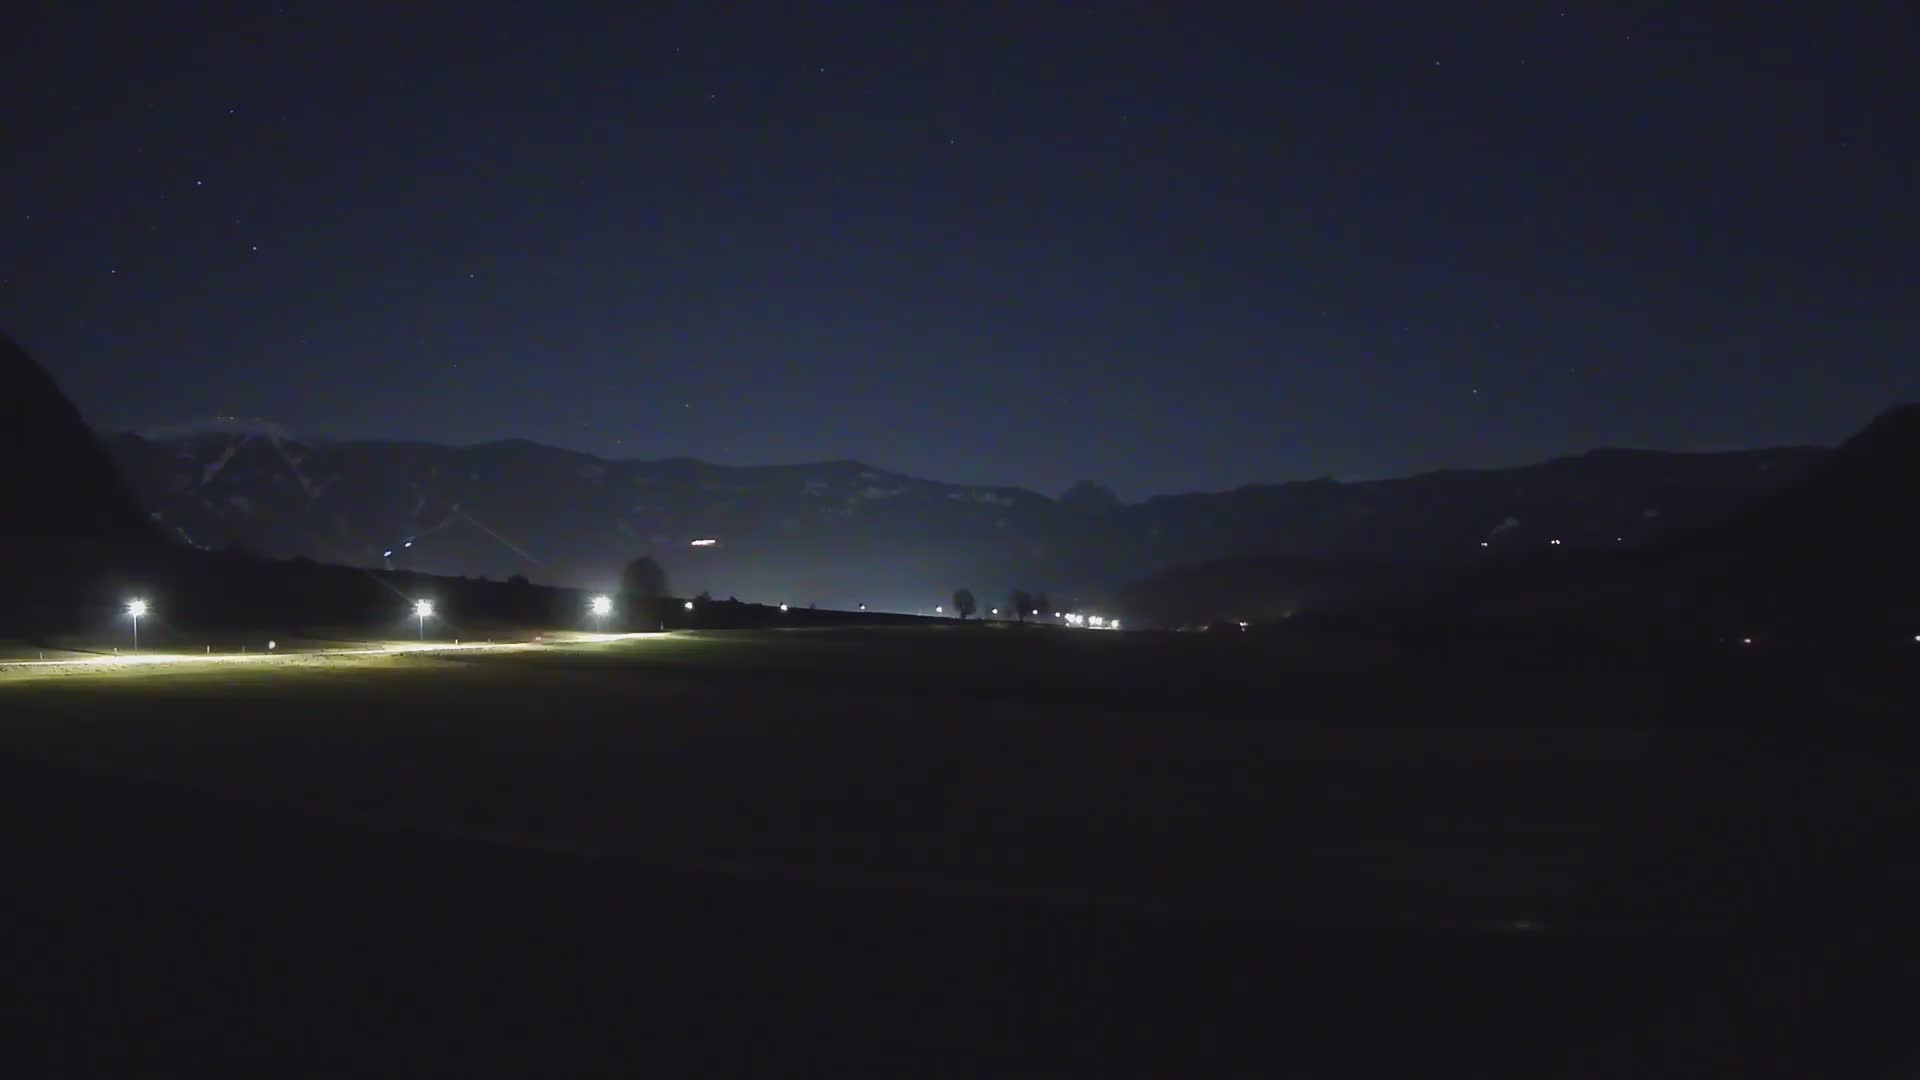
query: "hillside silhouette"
68, 525
64, 487
1825, 561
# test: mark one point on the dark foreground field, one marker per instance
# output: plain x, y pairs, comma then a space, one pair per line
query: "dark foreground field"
952, 852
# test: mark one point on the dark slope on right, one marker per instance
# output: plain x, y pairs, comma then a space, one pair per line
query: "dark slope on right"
1837, 552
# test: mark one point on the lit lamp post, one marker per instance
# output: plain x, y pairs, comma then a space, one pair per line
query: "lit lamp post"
423, 609
135, 609
601, 607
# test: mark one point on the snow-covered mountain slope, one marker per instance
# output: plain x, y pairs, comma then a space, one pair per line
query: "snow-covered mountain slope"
843, 532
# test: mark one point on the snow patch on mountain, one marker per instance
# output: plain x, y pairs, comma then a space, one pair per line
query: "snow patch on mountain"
212, 469
876, 491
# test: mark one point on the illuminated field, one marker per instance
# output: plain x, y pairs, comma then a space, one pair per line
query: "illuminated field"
992, 761
172, 663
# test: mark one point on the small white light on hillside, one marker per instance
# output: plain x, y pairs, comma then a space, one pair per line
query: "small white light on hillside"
940, 609
783, 607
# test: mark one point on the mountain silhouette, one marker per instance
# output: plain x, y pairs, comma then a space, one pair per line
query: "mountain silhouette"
1834, 554
70, 534
63, 486
846, 532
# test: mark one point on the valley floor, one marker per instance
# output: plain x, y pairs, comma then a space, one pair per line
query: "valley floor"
900, 849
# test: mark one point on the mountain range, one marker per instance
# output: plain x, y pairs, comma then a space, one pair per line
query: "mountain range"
841, 533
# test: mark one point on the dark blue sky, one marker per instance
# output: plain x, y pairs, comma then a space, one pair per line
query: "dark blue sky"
1020, 243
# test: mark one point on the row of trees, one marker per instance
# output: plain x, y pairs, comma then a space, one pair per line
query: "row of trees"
644, 582
1022, 603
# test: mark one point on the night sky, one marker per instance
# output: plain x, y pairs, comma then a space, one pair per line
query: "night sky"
1023, 243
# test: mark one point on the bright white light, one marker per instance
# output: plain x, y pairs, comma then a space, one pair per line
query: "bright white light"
1746, 641
1114, 625
1243, 624
1555, 543
386, 554
1056, 614
1036, 611
1097, 620
783, 607
703, 542
423, 608
600, 605
407, 544
1483, 543
137, 608
689, 605
863, 607
996, 611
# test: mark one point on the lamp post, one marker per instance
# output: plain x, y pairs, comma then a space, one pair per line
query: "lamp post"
423, 609
135, 609
600, 607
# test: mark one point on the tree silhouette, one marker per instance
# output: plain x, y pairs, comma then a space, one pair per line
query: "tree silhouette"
1022, 602
963, 603
642, 585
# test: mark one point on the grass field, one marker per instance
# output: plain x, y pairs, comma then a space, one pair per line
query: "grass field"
914, 850
1140, 768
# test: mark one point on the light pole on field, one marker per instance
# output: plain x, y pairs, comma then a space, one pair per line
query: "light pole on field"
135, 609
424, 609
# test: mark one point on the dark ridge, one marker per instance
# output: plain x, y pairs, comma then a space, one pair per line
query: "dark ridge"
63, 486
